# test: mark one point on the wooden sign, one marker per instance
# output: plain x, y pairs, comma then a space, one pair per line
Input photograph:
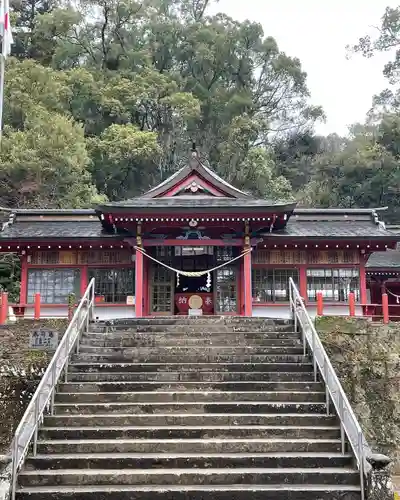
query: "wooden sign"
67, 257
46, 340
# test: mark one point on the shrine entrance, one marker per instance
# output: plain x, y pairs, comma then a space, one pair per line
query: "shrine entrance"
193, 290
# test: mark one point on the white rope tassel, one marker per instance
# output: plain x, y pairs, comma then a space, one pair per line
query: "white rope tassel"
177, 279
208, 284
397, 297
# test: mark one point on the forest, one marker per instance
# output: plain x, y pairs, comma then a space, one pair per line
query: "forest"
104, 98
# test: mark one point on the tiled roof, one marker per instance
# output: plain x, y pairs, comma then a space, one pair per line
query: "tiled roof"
196, 203
333, 229
89, 229
54, 229
388, 259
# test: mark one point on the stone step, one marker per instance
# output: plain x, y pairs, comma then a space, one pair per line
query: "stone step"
190, 407
189, 396
195, 432
193, 376
208, 476
187, 367
190, 328
181, 386
144, 340
198, 320
187, 461
209, 445
192, 492
106, 420
191, 351
215, 357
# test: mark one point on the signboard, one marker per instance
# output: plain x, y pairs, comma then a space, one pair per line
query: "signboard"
195, 312
46, 340
130, 300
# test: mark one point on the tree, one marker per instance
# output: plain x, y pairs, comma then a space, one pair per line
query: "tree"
364, 174
167, 67
10, 275
124, 160
157, 76
387, 38
46, 164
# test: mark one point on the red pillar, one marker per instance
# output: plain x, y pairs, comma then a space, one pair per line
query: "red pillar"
3, 307
363, 284
23, 291
139, 285
320, 304
146, 303
84, 280
303, 282
36, 313
352, 304
248, 295
385, 308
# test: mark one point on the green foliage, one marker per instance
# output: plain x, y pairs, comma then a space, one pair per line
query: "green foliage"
121, 155
10, 274
104, 99
387, 38
362, 173
151, 77
45, 165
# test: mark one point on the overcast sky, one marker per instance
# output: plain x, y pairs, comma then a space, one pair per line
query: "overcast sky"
317, 32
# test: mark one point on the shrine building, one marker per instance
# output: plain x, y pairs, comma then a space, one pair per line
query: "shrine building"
195, 244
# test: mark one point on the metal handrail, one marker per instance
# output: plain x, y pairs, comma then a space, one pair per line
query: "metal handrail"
43, 399
349, 425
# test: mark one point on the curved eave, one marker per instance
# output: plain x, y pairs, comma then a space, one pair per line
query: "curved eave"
234, 206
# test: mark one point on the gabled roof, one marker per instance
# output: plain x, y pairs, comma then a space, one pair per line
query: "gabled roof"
196, 187
196, 168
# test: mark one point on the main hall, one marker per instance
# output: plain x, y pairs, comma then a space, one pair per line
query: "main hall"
192, 245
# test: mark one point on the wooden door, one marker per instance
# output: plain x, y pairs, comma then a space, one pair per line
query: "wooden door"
161, 290
226, 290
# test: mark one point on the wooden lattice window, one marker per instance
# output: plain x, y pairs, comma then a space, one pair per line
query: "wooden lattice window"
272, 285
54, 285
109, 256
45, 257
225, 254
161, 289
335, 284
279, 257
113, 285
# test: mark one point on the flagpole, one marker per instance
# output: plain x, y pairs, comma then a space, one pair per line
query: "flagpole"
2, 63
2, 67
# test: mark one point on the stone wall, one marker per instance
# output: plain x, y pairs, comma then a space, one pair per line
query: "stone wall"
367, 359
20, 371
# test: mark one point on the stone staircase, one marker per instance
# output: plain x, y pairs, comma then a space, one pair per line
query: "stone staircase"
190, 408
